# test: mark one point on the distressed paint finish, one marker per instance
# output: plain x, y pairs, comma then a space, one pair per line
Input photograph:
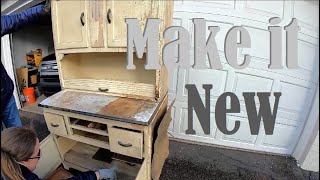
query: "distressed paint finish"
67, 144
119, 88
68, 32
78, 101
130, 109
99, 35
98, 105
97, 23
117, 29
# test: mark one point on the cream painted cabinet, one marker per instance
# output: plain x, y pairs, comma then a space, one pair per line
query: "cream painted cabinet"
90, 43
104, 131
118, 11
69, 20
99, 25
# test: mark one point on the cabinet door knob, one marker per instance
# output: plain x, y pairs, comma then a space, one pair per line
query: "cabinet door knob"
109, 16
103, 90
81, 18
124, 145
54, 125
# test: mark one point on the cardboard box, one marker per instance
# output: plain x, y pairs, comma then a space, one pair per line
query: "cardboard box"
22, 75
27, 77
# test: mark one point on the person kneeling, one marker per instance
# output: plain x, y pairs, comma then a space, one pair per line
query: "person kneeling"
20, 154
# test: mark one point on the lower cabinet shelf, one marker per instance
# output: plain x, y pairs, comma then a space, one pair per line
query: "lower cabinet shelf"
86, 157
90, 138
89, 126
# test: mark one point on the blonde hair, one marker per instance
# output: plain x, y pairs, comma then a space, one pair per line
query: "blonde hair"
17, 144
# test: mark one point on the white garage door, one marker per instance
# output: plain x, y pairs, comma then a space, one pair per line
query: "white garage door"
297, 86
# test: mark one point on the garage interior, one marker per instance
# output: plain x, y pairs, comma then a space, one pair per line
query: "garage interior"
35, 43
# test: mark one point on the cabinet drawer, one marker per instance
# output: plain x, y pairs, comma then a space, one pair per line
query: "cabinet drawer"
56, 124
120, 88
126, 142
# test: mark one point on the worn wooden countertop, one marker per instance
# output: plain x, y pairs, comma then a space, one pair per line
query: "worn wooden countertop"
129, 110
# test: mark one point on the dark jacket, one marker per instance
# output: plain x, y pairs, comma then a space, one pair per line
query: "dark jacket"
9, 24
28, 175
6, 89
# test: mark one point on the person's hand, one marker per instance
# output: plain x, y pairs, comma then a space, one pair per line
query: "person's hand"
47, 6
108, 174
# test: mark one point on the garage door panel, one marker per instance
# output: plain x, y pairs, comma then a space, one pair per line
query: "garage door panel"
298, 86
307, 56
251, 83
220, 36
283, 116
173, 72
224, 28
196, 124
307, 13
292, 116
312, 75
243, 135
217, 78
213, 4
176, 22
265, 8
173, 79
284, 137
258, 49
294, 97
173, 115
289, 122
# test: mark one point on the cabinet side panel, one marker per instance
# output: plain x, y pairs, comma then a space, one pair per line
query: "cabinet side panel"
166, 9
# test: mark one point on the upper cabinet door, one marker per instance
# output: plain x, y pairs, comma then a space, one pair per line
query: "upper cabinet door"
118, 11
69, 20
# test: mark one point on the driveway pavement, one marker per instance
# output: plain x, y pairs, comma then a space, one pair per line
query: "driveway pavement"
195, 162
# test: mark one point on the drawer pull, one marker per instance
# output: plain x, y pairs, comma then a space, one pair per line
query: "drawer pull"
104, 90
81, 18
109, 16
54, 125
124, 145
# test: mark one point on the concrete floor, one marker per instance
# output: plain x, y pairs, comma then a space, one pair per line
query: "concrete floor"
35, 121
34, 108
195, 162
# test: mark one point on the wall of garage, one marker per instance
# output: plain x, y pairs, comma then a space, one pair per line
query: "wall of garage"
31, 38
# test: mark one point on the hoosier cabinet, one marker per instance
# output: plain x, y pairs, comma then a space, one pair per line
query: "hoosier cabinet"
107, 115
